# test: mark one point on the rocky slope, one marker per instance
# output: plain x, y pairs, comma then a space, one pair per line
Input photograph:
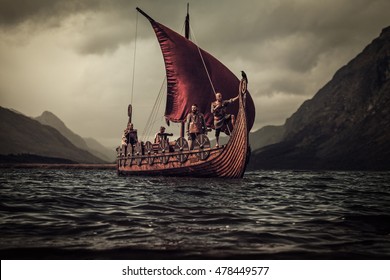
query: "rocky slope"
265, 136
346, 125
88, 144
21, 135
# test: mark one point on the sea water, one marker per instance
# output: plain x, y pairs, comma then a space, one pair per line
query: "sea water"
95, 214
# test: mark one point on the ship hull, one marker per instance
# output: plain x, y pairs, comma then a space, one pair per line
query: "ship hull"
228, 161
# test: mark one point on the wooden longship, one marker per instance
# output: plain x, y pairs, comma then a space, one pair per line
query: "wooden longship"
194, 76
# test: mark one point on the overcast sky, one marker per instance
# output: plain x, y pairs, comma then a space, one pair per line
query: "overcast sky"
75, 58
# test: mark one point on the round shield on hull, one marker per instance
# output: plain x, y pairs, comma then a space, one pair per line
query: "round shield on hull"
202, 142
149, 152
180, 147
163, 150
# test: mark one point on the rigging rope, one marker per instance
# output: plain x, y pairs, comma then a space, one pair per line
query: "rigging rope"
204, 64
146, 134
135, 53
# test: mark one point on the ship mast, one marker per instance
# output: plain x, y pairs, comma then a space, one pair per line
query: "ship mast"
187, 26
187, 35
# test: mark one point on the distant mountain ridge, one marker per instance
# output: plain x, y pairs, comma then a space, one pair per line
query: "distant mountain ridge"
346, 125
22, 135
48, 118
88, 144
265, 136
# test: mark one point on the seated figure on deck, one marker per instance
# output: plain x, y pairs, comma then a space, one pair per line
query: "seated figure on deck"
195, 124
161, 136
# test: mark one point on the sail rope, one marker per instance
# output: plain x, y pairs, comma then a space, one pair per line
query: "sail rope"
134, 57
147, 132
201, 56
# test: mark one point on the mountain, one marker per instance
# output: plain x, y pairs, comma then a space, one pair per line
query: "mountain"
88, 144
99, 150
346, 125
48, 118
265, 136
21, 135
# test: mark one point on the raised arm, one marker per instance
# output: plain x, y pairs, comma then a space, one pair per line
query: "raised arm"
233, 99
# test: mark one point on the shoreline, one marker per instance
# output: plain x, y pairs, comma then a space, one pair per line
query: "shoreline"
57, 166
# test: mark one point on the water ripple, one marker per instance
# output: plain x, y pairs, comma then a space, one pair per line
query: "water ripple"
267, 214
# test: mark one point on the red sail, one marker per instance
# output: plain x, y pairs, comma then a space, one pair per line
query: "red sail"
187, 79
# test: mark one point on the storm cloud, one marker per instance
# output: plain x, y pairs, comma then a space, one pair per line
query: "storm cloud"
75, 58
